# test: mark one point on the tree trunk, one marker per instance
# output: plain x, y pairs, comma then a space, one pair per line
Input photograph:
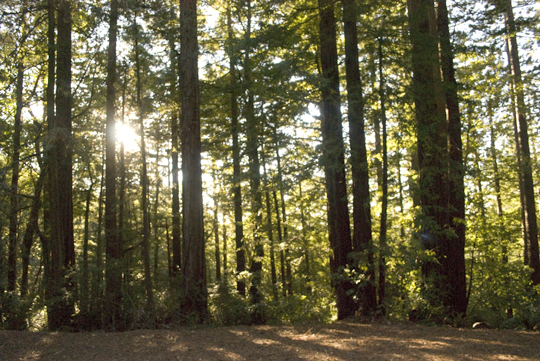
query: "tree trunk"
362, 240
193, 266
237, 189
383, 242
14, 196
334, 163
432, 134
145, 249
270, 231
113, 273
454, 262
62, 286
176, 241
255, 178
522, 130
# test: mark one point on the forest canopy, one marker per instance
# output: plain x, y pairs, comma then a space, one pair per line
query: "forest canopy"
253, 162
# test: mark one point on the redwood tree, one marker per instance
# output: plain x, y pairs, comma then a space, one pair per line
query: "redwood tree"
194, 290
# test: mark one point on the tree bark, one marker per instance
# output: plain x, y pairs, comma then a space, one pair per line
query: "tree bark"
383, 242
362, 239
454, 260
334, 163
193, 266
113, 272
176, 231
529, 206
62, 286
145, 246
14, 196
432, 135
237, 188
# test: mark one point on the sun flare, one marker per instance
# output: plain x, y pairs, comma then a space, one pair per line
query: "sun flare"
128, 137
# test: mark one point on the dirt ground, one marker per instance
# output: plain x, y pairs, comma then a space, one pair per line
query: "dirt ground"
344, 340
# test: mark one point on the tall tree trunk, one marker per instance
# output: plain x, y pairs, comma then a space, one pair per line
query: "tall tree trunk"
32, 225
14, 196
383, 242
176, 236
255, 177
334, 163
113, 273
281, 246
362, 240
145, 249
454, 260
270, 231
522, 130
62, 264
432, 134
285, 252
193, 266
237, 188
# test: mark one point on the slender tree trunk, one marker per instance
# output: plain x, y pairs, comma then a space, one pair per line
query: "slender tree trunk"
237, 189
97, 284
31, 228
194, 270
145, 249
285, 252
155, 222
176, 238
280, 242
62, 264
113, 273
383, 242
217, 254
270, 231
14, 196
334, 163
85, 277
522, 130
305, 242
255, 178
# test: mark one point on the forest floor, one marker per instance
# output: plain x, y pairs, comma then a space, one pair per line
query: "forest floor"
344, 340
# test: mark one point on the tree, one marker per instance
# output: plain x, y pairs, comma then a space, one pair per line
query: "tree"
194, 304
454, 260
529, 205
61, 297
362, 240
333, 161
113, 273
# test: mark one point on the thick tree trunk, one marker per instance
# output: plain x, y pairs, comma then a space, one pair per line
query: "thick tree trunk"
432, 136
362, 240
113, 273
194, 290
454, 260
522, 130
237, 189
334, 163
62, 244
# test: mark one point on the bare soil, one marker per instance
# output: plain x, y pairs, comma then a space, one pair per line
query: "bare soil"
344, 340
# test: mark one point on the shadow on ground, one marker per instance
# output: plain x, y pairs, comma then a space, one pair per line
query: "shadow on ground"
340, 341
